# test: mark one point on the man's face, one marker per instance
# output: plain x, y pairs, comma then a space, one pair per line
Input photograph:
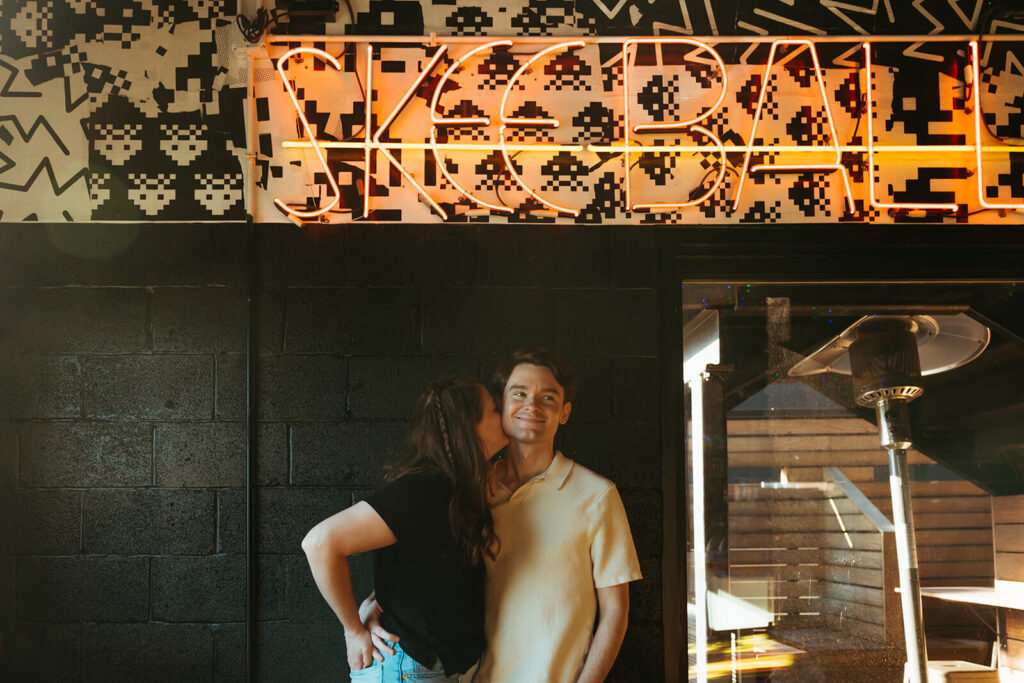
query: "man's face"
533, 405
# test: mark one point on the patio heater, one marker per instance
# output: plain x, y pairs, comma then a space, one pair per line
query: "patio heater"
886, 356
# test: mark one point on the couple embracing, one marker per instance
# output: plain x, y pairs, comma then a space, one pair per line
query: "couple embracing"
491, 569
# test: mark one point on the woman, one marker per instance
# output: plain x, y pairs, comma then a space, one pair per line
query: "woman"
430, 528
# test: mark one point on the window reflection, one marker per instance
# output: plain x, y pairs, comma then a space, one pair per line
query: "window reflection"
791, 547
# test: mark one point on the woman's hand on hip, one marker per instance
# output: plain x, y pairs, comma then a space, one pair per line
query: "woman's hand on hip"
369, 614
361, 651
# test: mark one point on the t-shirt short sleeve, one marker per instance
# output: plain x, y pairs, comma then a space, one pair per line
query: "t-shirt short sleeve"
612, 551
412, 506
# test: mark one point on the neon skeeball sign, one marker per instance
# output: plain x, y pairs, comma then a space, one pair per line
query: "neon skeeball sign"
683, 118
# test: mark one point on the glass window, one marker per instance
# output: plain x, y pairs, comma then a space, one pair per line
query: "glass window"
811, 412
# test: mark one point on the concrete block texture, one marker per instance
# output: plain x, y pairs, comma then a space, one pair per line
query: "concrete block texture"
544, 256
86, 454
198, 589
636, 390
230, 393
634, 258
593, 400
311, 256
149, 521
74, 320
487, 321
228, 653
6, 589
40, 387
388, 387
344, 453
643, 508
231, 518
629, 455
287, 590
417, 255
269, 305
40, 522
40, 262
302, 387
308, 652
8, 453
607, 323
147, 652
199, 320
642, 657
212, 454
40, 652
645, 594
284, 515
78, 589
352, 321
120, 254
166, 387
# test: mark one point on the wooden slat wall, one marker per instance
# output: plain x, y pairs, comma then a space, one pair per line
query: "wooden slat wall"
1008, 527
953, 519
820, 575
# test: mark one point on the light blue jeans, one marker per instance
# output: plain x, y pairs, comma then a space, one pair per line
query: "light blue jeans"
399, 668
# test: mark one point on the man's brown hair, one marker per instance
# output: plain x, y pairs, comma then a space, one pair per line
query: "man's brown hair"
546, 358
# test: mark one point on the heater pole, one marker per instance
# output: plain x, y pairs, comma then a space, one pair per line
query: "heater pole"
894, 429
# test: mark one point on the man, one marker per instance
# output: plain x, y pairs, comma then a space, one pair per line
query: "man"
557, 596
566, 555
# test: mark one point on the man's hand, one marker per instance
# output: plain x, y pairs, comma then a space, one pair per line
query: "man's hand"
361, 652
369, 614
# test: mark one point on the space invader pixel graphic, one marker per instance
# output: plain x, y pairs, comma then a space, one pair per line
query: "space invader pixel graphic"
99, 188
143, 104
568, 73
496, 70
469, 21
182, 143
542, 17
32, 24
152, 193
217, 193
660, 97
117, 144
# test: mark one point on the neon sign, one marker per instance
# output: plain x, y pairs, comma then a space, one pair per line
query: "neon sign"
436, 84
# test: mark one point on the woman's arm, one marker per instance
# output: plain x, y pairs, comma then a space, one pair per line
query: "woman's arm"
328, 545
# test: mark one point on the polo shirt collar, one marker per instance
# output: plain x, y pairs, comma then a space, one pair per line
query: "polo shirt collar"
558, 470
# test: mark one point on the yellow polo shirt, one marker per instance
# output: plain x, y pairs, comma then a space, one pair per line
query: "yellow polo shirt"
563, 534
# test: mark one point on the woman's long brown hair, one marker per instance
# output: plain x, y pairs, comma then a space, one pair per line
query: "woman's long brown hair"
442, 439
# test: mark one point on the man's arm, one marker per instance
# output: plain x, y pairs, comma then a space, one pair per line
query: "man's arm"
612, 617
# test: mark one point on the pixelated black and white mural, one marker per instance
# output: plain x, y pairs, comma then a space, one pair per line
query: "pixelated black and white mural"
123, 110
137, 110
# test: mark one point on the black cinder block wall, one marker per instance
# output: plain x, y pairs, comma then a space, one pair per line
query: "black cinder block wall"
122, 421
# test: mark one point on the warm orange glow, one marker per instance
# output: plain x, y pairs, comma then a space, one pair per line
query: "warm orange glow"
871, 151
552, 123
309, 132
631, 145
380, 131
826, 168
976, 88
478, 121
692, 202
667, 126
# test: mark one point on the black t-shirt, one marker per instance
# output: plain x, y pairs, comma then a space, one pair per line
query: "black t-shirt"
432, 597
